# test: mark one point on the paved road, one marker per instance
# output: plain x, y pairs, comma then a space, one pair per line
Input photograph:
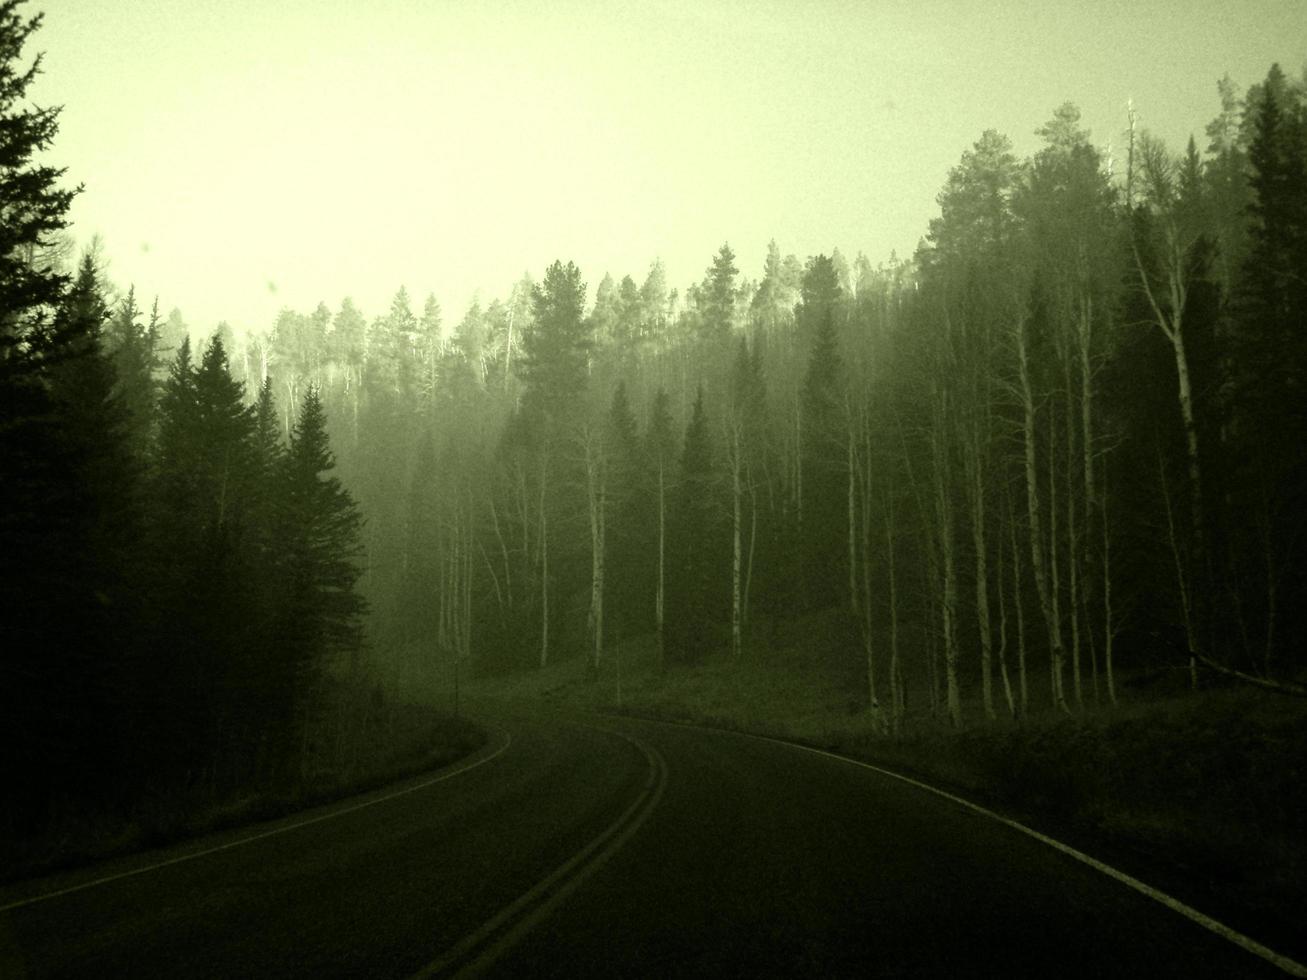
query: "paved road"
587, 847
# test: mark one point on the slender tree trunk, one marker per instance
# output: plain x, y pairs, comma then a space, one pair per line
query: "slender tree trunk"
753, 541
1018, 604
1002, 626
1058, 661
944, 532
867, 623
852, 525
467, 586
1170, 322
1109, 626
1047, 601
503, 550
896, 679
1183, 582
544, 566
737, 565
508, 350
976, 480
1072, 544
798, 466
594, 472
660, 593
1093, 506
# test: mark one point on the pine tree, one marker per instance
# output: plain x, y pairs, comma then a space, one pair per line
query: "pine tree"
824, 463
659, 447
322, 610
1268, 426
134, 349
33, 208
555, 353
695, 590
719, 299
630, 573
52, 375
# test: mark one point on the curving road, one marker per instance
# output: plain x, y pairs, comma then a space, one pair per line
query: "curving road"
578, 847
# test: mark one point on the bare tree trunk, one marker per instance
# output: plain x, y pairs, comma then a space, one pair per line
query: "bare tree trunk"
662, 566
1019, 607
467, 584
1047, 601
1181, 576
944, 532
1055, 582
798, 465
503, 550
1002, 626
737, 569
896, 679
1170, 322
1109, 626
595, 491
976, 481
1094, 507
753, 542
508, 348
544, 567
852, 525
867, 624
1072, 545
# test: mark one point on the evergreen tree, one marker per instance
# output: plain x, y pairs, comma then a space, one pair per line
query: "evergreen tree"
71, 572
555, 353
696, 586
825, 469
33, 208
1268, 427
820, 295
134, 349
718, 305
659, 447
322, 610
630, 575
47, 606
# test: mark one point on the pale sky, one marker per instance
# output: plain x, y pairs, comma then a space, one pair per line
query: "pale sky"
243, 156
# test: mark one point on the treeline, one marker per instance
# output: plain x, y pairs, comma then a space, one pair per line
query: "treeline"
176, 573
1063, 440
1066, 437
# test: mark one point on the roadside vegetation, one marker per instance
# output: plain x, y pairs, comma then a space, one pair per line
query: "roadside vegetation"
357, 743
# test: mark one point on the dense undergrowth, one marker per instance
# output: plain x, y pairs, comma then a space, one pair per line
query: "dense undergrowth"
382, 742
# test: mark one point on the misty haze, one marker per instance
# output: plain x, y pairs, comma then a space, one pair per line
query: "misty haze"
723, 489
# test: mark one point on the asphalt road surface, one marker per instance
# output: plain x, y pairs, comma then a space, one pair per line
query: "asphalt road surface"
575, 846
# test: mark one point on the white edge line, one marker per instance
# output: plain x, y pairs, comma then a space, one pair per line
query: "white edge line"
1247, 943
33, 900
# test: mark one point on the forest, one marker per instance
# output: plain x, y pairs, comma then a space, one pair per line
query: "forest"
1059, 446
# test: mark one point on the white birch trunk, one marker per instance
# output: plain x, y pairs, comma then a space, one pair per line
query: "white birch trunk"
1047, 601
544, 567
660, 593
944, 533
737, 569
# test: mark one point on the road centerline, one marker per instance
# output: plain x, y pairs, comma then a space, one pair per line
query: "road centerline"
481, 948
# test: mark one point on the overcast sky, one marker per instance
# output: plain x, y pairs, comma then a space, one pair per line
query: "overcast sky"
241, 156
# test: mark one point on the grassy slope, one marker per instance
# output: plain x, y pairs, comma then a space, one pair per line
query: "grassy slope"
1206, 790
